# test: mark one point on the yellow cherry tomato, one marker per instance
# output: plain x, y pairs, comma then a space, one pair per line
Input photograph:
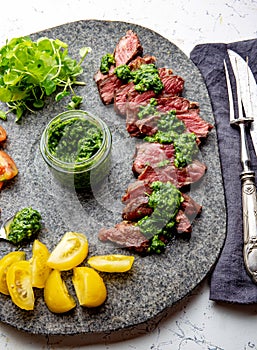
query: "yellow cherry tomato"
111, 263
89, 286
39, 268
19, 284
69, 252
5, 263
56, 294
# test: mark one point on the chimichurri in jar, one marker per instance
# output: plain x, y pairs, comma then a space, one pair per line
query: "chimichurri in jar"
77, 145
74, 140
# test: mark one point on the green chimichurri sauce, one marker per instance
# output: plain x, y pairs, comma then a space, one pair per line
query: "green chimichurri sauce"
106, 62
145, 78
25, 225
123, 72
149, 109
185, 149
74, 140
171, 130
165, 201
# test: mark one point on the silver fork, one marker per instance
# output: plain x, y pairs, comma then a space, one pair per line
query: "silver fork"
249, 203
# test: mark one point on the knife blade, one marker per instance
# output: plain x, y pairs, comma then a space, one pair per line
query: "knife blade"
247, 84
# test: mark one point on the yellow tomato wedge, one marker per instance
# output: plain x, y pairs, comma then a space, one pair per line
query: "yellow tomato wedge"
111, 263
19, 284
39, 268
69, 252
56, 294
5, 263
89, 286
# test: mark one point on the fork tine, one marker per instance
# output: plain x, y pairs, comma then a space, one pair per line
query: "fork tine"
230, 95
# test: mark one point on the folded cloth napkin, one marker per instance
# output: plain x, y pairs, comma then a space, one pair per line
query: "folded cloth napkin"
229, 280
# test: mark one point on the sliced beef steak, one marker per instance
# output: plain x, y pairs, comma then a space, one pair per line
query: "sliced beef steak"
128, 235
125, 234
179, 177
122, 93
136, 189
136, 209
138, 61
190, 207
152, 154
136, 204
194, 123
155, 162
173, 85
128, 48
176, 103
183, 224
127, 99
152, 161
121, 96
107, 84
186, 111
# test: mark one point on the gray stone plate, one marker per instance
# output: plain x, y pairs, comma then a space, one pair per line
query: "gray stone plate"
156, 282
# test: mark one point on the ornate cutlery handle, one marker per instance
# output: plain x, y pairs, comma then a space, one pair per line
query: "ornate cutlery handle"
249, 204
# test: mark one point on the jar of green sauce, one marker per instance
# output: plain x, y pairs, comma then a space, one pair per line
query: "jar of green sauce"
77, 148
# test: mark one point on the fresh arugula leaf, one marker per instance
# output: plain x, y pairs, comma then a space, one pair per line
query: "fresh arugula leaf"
75, 102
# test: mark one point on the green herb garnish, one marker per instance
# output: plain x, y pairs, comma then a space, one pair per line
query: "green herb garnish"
149, 109
25, 225
106, 62
145, 78
171, 130
165, 201
74, 140
30, 71
123, 72
185, 149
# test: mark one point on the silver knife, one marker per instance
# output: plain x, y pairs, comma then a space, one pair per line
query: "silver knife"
245, 90
247, 84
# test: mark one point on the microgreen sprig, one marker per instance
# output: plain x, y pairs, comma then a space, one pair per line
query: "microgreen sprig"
30, 71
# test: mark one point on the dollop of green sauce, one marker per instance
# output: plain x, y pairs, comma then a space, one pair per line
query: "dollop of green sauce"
171, 130
145, 78
106, 62
123, 72
165, 201
149, 109
74, 140
25, 225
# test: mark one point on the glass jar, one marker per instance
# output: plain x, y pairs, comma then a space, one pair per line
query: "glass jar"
74, 165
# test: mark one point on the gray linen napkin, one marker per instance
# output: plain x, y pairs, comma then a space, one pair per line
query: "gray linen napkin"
229, 280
